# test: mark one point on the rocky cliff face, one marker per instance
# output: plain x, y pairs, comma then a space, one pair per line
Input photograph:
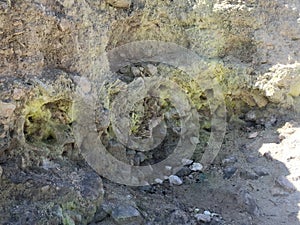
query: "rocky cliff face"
250, 48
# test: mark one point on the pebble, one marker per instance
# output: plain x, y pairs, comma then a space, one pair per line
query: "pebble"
1, 171
206, 212
196, 167
253, 135
196, 210
135, 71
119, 3
247, 175
173, 179
284, 183
126, 214
260, 171
276, 191
168, 168
158, 181
228, 172
18, 94
152, 69
203, 218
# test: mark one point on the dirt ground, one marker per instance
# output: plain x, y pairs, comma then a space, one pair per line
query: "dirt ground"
256, 193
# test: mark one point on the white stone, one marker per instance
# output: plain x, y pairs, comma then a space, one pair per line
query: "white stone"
203, 218
173, 179
1, 171
168, 168
158, 181
253, 135
196, 167
206, 212
196, 210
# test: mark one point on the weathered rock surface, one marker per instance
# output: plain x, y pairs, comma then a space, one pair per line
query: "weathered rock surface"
50, 48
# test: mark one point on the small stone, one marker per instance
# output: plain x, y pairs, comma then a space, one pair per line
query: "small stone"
253, 135
247, 175
196, 167
284, 183
228, 172
18, 94
186, 162
152, 69
45, 188
196, 210
158, 181
135, 71
203, 218
173, 179
168, 168
260, 171
206, 212
126, 214
119, 3
1, 171
276, 191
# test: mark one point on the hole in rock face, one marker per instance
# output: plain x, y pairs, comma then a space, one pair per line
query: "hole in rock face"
46, 122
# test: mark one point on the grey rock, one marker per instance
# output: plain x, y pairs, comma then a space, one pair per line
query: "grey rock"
284, 183
203, 218
261, 171
152, 69
135, 71
173, 179
126, 215
276, 191
229, 171
248, 175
